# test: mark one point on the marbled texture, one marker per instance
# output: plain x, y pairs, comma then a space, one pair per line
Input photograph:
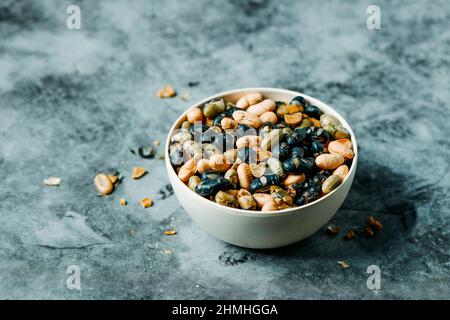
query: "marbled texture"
73, 103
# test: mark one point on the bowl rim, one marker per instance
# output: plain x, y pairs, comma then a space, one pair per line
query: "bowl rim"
242, 212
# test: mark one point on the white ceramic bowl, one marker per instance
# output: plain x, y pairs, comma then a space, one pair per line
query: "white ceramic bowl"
256, 229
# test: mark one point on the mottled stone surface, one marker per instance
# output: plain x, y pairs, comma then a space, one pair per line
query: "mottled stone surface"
73, 103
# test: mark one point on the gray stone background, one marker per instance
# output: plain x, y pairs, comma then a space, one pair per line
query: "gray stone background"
73, 103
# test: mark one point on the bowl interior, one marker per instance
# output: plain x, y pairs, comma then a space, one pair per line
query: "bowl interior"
274, 94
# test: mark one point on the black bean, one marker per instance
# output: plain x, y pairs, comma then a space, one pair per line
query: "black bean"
312, 111
280, 151
198, 128
296, 137
298, 100
316, 147
298, 165
218, 119
297, 152
229, 112
307, 196
176, 154
263, 182
146, 153
320, 135
210, 187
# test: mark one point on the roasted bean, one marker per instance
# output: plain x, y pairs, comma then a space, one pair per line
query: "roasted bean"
306, 123
218, 162
181, 137
213, 108
232, 176
228, 123
247, 118
210, 175
294, 179
203, 165
263, 155
187, 170
261, 199
269, 117
246, 200
276, 167
280, 196
262, 107
342, 147
226, 199
194, 115
281, 110
185, 125
341, 171
331, 183
248, 100
329, 161
248, 141
245, 175
270, 206
293, 119
193, 182
259, 169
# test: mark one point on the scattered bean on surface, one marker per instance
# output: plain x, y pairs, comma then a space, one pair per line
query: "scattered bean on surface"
103, 184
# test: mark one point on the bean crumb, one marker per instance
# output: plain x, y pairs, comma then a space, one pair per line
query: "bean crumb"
368, 231
332, 230
52, 181
146, 203
113, 179
138, 172
343, 264
166, 92
122, 202
157, 143
374, 223
170, 232
185, 96
350, 235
